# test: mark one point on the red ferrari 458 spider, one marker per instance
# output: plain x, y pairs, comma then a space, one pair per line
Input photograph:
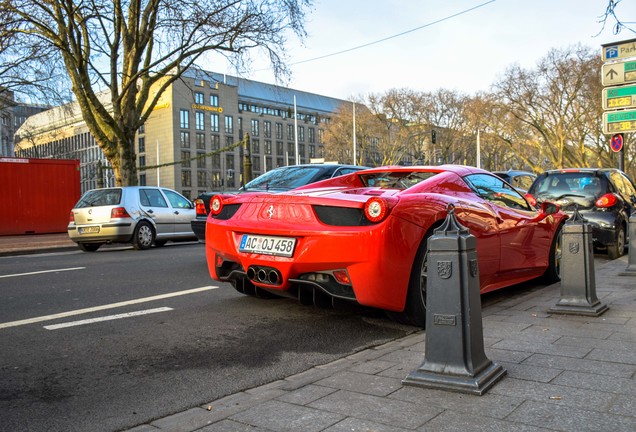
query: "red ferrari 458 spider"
363, 237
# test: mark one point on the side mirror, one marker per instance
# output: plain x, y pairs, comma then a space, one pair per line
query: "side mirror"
548, 208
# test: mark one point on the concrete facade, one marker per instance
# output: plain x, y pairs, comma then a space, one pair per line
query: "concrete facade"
181, 145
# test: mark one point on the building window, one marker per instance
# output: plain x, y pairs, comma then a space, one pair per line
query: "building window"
268, 147
214, 122
301, 150
256, 146
141, 144
216, 142
229, 140
201, 141
320, 135
301, 133
290, 131
312, 151
267, 129
229, 124
256, 163
312, 135
142, 179
290, 149
142, 161
214, 100
201, 178
185, 158
198, 98
199, 120
216, 161
200, 160
185, 139
279, 131
254, 127
141, 129
184, 119
186, 178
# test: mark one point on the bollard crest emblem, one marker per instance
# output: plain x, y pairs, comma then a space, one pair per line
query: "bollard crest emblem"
474, 268
444, 269
573, 247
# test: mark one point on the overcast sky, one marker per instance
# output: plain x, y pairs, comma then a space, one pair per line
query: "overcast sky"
459, 44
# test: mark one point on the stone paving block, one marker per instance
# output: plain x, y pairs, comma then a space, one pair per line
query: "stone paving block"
556, 332
306, 394
404, 357
143, 428
351, 424
497, 355
603, 344
566, 418
400, 372
310, 376
562, 350
624, 336
280, 416
490, 405
192, 419
601, 326
617, 356
624, 405
362, 383
497, 326
581, 365
377, 409
597, 382
503, 332
555, 394
372, 367
530, 373
232, 426
451, 421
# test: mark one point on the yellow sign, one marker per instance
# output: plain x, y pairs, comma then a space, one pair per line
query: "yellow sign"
207, 108
619, 121
160, 106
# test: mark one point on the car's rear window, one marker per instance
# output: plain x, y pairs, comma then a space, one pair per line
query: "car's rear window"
582, 184
395, 179
100, 197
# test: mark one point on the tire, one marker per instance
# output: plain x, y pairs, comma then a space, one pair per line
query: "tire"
89, 247
553, 272
143, 236
160, 243
414, 312
617, 249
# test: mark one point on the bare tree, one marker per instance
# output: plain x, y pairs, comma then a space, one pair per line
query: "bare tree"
611, 15
133, 51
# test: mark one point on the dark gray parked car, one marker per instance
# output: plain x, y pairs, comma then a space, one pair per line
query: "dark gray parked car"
604, 197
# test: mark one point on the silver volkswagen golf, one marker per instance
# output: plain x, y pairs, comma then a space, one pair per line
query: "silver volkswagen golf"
140, 215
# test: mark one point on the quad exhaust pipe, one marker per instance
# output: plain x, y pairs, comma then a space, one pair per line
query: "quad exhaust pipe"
264, 275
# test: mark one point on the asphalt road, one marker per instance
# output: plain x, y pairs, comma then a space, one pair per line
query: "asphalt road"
108, 340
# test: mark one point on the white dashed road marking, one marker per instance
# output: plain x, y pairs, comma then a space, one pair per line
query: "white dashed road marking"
106, 318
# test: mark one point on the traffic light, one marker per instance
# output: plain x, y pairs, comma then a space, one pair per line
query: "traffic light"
433, 136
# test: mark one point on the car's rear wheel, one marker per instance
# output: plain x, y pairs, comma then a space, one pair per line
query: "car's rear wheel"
414, 312
553, 272
617, 249
89, 247
143, 236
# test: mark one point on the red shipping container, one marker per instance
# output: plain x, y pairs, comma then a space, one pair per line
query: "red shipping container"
37, 195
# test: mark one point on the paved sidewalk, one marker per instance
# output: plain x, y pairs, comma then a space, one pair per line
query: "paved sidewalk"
565, 373
34, 243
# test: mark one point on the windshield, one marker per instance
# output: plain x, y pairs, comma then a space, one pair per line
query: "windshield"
395, 179
286, 178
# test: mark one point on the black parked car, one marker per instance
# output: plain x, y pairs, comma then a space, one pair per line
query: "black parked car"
604, 197
277, 180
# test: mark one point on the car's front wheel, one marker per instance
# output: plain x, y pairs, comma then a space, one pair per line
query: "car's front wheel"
143, 236
89, 247
617, 249
553, 272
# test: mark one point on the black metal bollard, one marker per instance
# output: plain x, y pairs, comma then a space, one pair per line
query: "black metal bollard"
454, 355
578, 280
630, 270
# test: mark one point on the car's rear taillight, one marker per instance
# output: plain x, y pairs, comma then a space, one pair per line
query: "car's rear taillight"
119, 212
376, 209
199, 206
71, 218
216, 205
607, 200
531, 200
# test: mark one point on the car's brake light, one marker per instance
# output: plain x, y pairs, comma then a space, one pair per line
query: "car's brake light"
119, 212
216, 205
376, 209
531, 200
199, 206
71, 217
607, 200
